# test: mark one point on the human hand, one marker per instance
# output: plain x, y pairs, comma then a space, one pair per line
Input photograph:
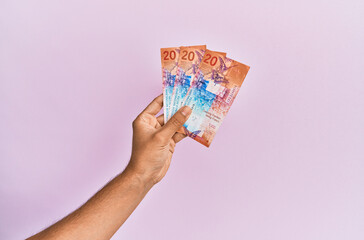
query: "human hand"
107, 210
154, 141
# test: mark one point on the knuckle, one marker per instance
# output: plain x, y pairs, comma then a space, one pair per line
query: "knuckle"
175, 121
135, 122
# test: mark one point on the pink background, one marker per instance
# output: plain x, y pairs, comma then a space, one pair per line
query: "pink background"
286, 164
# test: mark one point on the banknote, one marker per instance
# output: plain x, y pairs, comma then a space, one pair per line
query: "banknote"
211, 95
169, 58
211, 62
188, 63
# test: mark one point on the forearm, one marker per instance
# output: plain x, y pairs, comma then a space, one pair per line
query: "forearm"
104, 213
153, 146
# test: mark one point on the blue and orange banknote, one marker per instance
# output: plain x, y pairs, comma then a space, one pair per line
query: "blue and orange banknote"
205, 80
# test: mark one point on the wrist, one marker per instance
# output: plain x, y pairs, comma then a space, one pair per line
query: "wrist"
140, 176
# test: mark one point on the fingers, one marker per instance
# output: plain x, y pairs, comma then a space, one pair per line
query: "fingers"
175, 123
160, 119
155, 106
178, 137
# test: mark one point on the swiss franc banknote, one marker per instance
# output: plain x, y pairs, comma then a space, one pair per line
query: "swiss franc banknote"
211, 61
211, 95
188, 64
169, 58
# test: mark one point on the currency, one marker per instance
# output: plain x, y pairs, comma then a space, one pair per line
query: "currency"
210, 64
188, 63
206, 81
212, 93
169, 58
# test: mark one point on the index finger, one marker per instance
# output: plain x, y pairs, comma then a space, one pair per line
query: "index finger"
155, 106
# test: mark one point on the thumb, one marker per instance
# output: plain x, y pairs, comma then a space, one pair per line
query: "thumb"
176, 122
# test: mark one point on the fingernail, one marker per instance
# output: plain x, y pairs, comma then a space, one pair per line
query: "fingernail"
186, 111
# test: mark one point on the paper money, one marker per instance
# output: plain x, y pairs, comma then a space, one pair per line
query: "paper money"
212, 93
169, 58
205, 80
188, 63
211, 63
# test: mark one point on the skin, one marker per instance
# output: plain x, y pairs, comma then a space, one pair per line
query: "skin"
153, 146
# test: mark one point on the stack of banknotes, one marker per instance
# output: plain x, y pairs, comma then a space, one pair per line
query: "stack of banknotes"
206, 81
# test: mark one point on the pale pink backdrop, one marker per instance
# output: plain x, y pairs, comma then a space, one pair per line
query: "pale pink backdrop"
286, 164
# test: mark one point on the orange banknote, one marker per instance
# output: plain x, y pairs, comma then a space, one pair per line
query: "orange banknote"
188, 64
169, 58
209, 66
212, 93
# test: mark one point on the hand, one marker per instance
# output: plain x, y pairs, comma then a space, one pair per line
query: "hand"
154, 141
107, 210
